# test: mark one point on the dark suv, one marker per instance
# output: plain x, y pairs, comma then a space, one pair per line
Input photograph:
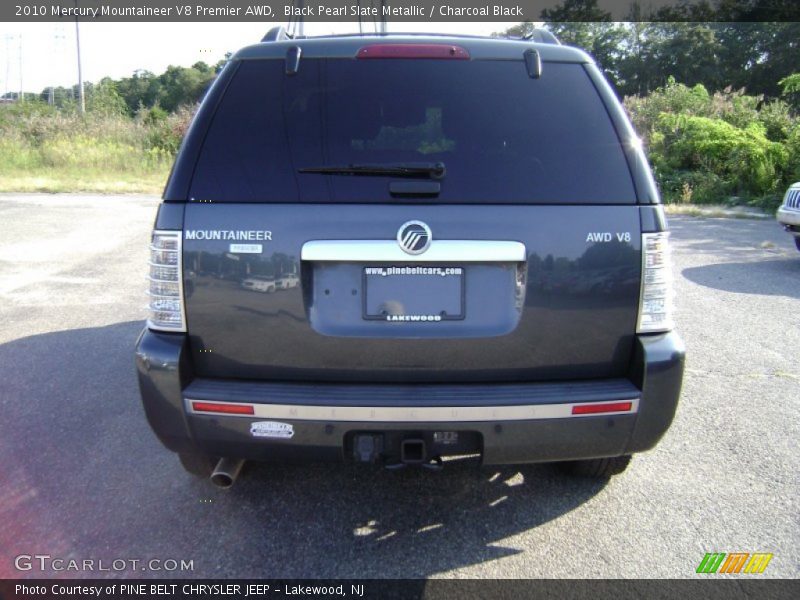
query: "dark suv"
464, 249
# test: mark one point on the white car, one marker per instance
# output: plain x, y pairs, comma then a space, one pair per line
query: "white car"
259, 284
789, 212
287, 281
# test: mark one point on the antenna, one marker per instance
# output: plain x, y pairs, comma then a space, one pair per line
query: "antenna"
301, 26
295, 27
383, 16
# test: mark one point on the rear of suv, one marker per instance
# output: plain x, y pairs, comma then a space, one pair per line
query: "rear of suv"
469, 249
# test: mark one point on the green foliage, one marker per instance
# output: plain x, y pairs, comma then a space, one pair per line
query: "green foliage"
126, 140
687, 52
744, 159
104, 100
718, 148
43, 148
711, 43
715, 101
175, 87
140, 90
793, 148
152, 116
165, 131
790, 90
777, 118
790, 84
672, 98
180, 86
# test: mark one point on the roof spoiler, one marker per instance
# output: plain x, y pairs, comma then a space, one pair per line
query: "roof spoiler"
276, 34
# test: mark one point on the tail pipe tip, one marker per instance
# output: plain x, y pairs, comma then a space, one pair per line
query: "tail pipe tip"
226, 472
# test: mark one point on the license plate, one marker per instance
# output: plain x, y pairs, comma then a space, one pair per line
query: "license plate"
413, 293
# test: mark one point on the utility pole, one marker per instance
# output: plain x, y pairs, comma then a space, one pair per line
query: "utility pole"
21, 93
7, 82
80, 73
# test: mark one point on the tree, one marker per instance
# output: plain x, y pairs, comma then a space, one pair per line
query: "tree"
221, 64
139, 90
104, 99
755, 56
689, 52
180, 85
582, 23
175, 87
708, 43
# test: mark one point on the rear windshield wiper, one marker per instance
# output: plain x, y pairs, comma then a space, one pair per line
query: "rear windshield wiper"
432, 170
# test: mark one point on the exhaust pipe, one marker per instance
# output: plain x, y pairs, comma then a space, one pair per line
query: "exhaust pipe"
226, 472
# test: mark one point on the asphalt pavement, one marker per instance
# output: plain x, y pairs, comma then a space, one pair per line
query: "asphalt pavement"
82, 477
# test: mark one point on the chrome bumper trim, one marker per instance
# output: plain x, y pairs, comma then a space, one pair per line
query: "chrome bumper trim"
412, 414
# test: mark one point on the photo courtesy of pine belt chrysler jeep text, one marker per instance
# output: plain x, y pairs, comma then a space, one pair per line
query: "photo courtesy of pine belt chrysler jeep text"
394, 249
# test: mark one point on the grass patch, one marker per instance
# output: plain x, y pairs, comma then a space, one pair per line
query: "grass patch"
67, 180
46, 150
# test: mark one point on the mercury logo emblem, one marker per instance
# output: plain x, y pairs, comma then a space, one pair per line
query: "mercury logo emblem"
414, 237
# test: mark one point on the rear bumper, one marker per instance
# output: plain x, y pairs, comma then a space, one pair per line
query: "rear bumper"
510, 423
786, 216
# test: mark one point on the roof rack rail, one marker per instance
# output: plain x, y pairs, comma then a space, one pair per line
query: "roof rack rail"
542, 36
276, 34
279, 33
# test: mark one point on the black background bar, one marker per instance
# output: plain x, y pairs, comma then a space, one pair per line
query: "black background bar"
275, 11
711, 587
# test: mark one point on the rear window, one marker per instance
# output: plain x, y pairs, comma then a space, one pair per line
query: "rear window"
502, 136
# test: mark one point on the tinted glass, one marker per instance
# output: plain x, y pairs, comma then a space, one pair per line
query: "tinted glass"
503, 137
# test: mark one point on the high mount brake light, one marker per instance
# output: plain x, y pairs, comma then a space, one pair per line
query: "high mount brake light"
166, 283
438, 51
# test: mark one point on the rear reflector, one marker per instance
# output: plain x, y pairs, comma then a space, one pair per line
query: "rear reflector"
234, 409
601, 407
446, 51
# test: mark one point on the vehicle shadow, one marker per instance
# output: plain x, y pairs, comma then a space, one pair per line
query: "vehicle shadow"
84, 477
769, 277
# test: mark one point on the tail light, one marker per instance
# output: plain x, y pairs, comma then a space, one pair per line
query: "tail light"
655, 302
166, 284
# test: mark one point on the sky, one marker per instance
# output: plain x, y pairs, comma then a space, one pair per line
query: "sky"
49, 57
